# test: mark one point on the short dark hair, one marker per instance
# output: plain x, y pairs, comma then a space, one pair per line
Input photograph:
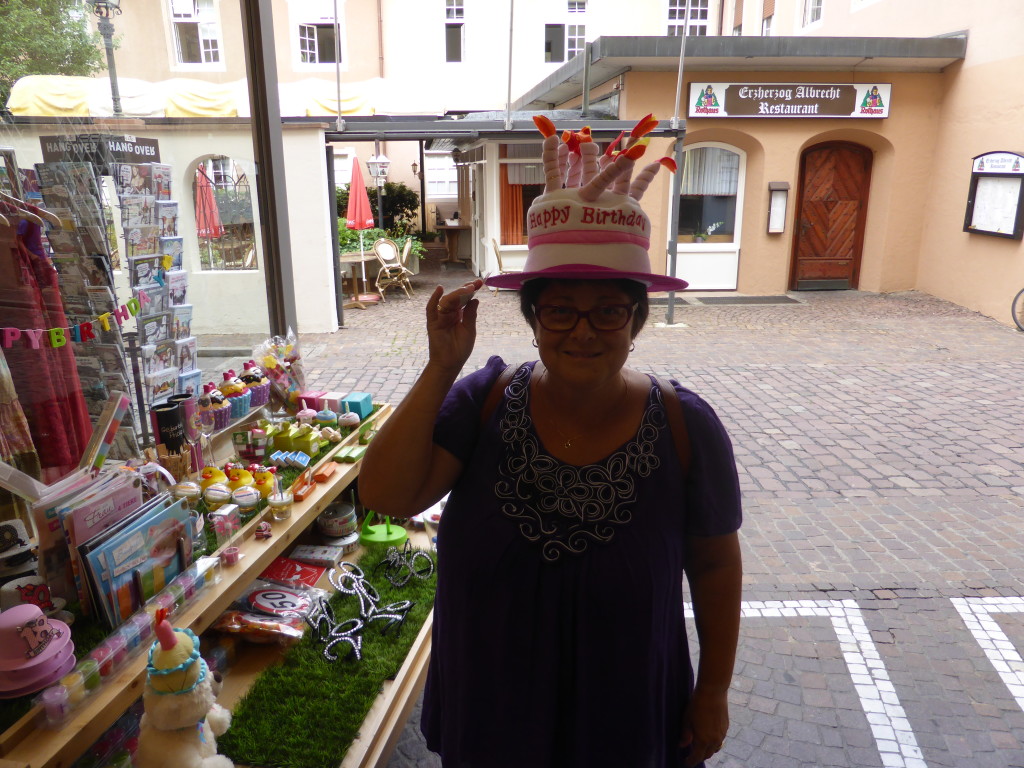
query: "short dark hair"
531, 290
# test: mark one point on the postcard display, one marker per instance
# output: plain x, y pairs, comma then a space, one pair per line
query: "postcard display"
82, 257
154, 260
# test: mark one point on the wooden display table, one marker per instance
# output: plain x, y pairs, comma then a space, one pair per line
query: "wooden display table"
24, 745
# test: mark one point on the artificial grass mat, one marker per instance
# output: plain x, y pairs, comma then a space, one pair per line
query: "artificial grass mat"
306, 711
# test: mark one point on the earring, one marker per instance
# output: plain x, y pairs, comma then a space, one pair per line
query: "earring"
534, 342
632, 346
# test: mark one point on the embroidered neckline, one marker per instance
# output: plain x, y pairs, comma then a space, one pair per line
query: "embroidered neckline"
564, 507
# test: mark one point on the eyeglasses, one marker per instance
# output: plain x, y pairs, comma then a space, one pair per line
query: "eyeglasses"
607, 317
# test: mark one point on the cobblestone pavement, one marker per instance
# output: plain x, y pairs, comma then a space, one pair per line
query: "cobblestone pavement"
879, 441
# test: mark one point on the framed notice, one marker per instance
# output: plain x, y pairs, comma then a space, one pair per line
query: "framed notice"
995, 200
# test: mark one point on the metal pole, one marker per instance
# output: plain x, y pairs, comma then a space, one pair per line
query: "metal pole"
380, 183
106, 29
423, 190
673, 227
508, 99
337, 65
339, 298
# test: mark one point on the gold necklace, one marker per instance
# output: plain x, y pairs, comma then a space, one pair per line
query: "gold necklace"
569, 439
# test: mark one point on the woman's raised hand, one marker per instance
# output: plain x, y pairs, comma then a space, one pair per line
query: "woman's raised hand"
451, 325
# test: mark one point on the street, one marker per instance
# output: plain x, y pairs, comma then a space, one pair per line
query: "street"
879, 445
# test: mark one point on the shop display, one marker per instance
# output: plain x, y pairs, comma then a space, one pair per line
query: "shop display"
35, 651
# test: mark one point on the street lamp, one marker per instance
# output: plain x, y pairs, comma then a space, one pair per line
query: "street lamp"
105, 10
379, 165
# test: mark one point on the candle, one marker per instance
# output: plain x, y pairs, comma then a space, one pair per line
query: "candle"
55, 703
104, 657
230, 555
143, 623
75, 686
89, 669
118, 648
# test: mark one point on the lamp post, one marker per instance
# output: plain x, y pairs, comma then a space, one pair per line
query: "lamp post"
379, 165
105, 10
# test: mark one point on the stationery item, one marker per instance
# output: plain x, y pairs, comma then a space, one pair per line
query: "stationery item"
290, 572
170, 425
324, 555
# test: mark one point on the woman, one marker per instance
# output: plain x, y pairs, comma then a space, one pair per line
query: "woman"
558, 633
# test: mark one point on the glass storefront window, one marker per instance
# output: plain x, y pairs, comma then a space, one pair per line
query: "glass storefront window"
708, 190
521, 180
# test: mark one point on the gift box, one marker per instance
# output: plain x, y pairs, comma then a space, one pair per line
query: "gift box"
312, 398
357, 402
306, 439
282, 440
331, 401
251, 444
225, 522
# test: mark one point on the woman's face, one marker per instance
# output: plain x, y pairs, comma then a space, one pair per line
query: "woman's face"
583, 356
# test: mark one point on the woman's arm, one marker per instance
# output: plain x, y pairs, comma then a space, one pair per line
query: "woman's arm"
403, 471
715, 572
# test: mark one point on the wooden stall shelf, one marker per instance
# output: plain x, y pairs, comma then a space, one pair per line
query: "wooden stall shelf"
24, 745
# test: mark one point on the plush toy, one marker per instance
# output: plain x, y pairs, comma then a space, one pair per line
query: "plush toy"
182, 717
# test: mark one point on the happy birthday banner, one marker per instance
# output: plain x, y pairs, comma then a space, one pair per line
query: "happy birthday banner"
32, 338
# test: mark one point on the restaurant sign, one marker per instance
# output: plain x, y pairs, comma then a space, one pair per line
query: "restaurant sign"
789, 100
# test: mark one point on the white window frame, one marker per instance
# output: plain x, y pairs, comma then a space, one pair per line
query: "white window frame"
454, 9
343, 166
696, 25
766, 26
315, 13
304, 41
575, 40
813, 12
577, 6
203, 14
441, 176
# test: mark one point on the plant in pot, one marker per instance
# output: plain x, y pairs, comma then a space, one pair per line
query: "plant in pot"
703, 233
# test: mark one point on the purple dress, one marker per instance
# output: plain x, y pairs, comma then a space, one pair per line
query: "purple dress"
558, 636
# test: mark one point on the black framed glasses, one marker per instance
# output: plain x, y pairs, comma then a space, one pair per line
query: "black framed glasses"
607, 317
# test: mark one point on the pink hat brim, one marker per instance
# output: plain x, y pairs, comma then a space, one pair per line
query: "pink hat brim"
654, 283
66, 666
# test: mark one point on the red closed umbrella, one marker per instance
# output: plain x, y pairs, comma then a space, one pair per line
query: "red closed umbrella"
207, 217
359, 216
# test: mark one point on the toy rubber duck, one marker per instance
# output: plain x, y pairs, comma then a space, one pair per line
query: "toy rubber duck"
211, 475
238, 476
264, 477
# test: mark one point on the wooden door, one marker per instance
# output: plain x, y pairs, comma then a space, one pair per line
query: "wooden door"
830, 217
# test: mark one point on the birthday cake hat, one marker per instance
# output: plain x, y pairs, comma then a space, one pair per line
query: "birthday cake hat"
174, 663
588, 223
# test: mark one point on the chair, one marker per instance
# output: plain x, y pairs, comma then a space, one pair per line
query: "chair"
405, 252
392, 271
501, 268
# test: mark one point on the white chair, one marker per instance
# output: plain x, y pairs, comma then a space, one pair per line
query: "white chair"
392, 270
501, 267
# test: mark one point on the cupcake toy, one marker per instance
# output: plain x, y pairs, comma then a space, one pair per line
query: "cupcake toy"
326, 418
306, 415
219, 405
237, 394
259, 385
348, 419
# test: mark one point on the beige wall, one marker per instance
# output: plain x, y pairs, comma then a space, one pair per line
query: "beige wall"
902, 146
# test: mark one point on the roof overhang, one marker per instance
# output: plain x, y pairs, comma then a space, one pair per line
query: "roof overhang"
468, 130
612, 56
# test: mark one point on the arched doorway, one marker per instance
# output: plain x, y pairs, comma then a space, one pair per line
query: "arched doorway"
835, 178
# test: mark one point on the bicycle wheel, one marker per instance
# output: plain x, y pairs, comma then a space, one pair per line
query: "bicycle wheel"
1017, 309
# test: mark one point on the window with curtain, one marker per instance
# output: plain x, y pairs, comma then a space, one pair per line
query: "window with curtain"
708, 189
522, 180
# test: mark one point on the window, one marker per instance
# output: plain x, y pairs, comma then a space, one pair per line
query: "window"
440, 175
766, 26
453, 9
453, 42
317, 43
196, 31
708, 189
577, 39
697, 24
521, 180
812, 11
223, 215
737, 30
577, 6
554, 42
